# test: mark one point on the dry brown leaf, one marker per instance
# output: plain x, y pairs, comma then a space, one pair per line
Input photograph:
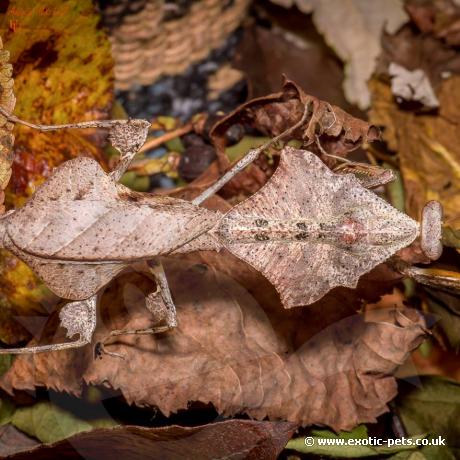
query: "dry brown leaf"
427, 145
262, 49
236, 439
338, 132
353, 29
7, 101
229, 351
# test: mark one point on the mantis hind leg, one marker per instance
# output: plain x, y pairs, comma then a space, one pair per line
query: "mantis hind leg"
159, 303
77, 317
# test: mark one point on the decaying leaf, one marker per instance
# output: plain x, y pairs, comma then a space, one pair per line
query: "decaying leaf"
263, 49
275, 113
62, 68
337, 132
427, 145
236, 439
7, 101
353, 29
229, 351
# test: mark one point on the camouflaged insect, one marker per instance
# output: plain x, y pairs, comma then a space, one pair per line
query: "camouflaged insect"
307, 230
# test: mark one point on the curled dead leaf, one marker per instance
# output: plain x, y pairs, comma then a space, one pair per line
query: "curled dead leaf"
229, 351
335, 130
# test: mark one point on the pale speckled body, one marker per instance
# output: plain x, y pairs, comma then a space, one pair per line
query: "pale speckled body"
307, 230
319, 229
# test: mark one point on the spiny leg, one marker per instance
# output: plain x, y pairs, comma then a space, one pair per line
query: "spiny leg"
157, 302
77, 317
127, 136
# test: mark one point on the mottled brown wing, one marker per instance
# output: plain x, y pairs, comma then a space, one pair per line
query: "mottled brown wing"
303, 188
79, 215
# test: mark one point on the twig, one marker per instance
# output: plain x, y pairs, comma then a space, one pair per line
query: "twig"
157, 141
251, 156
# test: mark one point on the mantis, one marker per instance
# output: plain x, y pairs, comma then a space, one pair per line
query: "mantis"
307, 230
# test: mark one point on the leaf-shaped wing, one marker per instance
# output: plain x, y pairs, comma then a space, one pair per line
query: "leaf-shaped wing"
81, 214
309, 229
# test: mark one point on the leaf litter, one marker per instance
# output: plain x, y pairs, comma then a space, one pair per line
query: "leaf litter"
227, 350
346, 354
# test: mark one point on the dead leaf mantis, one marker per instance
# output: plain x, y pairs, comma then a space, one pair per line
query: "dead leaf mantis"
307, 230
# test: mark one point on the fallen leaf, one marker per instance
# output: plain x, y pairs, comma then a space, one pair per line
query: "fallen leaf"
432, 408
353, 29
236, 439
228, 351
282, 47
7, 102
337, 131
427, 145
